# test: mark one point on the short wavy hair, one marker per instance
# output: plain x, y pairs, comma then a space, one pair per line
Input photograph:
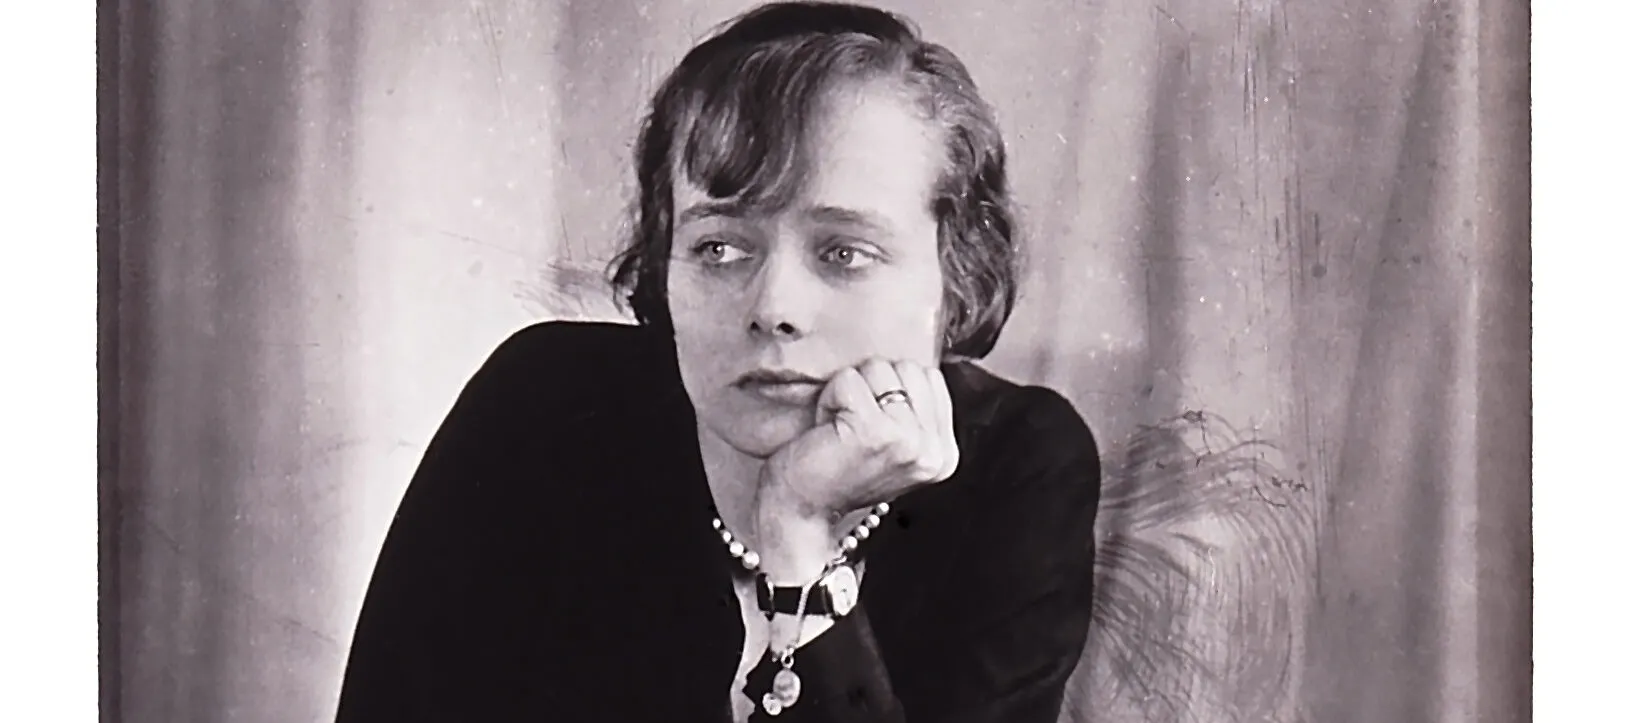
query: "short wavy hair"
734, 117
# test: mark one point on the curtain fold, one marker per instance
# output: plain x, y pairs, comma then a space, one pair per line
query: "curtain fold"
1278, 258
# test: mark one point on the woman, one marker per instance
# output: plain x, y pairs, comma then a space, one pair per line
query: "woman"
785, 494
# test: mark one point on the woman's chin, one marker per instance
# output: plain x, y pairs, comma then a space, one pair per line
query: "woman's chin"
762, 435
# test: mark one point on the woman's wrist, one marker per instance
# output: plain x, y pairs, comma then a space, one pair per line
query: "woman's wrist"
796, 540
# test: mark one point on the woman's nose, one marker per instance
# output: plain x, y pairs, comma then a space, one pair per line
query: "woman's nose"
784, 296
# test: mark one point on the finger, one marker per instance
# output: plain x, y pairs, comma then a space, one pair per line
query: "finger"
922, 396
933, 450
942, 403
944, 412
883, 379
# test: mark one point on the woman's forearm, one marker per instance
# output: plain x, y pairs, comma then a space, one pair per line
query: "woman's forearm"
845, 677
795, 548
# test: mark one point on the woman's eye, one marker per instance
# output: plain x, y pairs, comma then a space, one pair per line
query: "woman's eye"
714, 251
848, 257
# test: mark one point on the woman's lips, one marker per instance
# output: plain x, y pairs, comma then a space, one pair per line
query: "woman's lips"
781, 386
799, 393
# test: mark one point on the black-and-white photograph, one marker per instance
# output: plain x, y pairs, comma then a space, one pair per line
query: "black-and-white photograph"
723, 361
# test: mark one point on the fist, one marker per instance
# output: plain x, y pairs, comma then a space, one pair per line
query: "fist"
881, 429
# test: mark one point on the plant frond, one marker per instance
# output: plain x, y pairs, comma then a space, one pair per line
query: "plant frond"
1202, 542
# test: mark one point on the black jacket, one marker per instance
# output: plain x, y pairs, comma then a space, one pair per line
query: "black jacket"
553, 559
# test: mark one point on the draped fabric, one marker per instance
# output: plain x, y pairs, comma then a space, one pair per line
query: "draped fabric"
1278, 257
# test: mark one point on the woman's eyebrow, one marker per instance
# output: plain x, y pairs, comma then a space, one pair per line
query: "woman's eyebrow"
849, 217
710, 209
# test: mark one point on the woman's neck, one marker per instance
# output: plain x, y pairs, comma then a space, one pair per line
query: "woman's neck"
733, 478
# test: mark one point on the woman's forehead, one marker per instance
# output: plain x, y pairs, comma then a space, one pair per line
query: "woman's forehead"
724, 130
865, 148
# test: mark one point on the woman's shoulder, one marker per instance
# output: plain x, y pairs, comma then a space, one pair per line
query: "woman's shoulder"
551, 358
581, 346
1006, 427
986, 403
551, 376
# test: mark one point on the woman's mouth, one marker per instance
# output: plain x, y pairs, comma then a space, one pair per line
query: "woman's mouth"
781, 387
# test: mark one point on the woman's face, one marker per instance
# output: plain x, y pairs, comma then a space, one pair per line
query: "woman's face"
766, 306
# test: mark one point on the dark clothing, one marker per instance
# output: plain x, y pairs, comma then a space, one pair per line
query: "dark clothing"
554, 559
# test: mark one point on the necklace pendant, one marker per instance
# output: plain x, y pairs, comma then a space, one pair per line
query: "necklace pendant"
787, 687
771, 704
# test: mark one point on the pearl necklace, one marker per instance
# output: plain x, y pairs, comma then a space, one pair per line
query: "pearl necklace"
750, 560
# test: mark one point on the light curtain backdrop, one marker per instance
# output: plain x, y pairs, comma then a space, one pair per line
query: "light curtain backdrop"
1287, 236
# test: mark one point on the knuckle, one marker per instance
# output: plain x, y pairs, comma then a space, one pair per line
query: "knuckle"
848, 376
927, 466
948, 461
